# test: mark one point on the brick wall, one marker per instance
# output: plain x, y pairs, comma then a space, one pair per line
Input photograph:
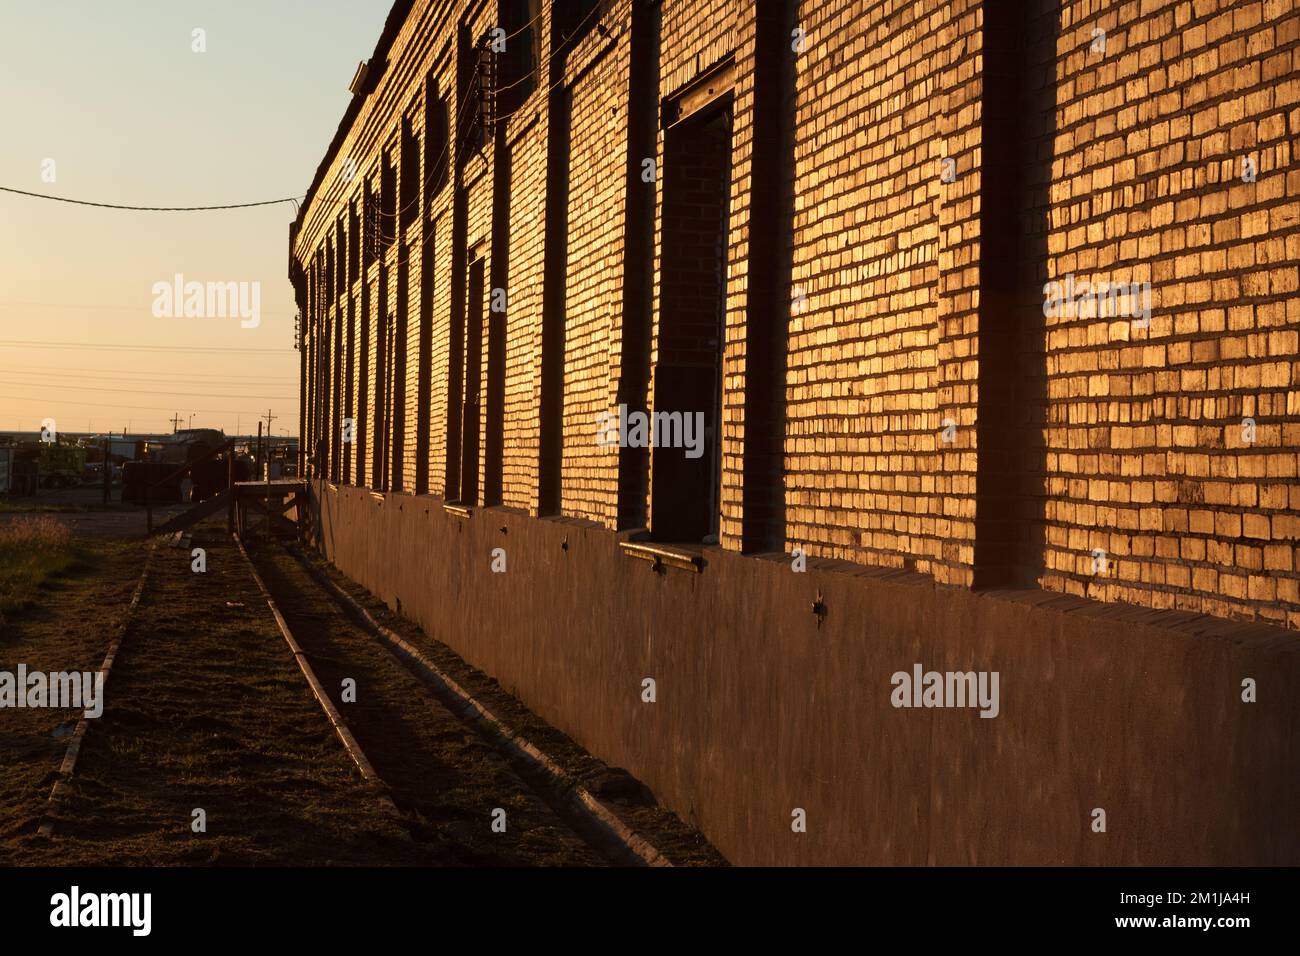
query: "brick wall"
593, 288
1147, 432
900, 188
883, 333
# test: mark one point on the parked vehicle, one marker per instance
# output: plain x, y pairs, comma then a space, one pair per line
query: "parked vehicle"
6, 469
55, 464
158, 460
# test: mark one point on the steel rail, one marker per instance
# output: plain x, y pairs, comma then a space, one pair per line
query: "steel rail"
69, 765
578, 800
331, 711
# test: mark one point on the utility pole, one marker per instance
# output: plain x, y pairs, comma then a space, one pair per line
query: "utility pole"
176, 421
269, 418
191, 420
107, 467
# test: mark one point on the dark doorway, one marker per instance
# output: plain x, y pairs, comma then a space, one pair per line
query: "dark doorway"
425, 358
473, 383
686, 480
398, 391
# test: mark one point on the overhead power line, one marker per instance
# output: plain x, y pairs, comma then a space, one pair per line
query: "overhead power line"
117, 346
117, 383
181, 393
117, 375
144, 408
110, 205
100, 306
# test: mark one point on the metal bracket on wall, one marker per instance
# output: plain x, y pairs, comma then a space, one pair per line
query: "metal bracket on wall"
819, 608
662, 556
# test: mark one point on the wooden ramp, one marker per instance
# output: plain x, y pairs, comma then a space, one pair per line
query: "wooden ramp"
269, 499
195, 514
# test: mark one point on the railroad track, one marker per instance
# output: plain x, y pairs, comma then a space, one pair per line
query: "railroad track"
69, 764
415, 713
210, 748
211, 707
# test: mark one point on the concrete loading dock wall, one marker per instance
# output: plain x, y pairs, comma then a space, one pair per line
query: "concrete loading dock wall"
761, 710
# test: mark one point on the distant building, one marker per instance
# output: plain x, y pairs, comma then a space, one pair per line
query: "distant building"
962, 334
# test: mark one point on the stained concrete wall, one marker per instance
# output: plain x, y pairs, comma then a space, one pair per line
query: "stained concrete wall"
762, 709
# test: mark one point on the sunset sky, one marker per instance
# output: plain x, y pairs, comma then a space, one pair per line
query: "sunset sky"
130, 114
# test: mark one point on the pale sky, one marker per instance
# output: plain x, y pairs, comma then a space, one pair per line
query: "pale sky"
113, 93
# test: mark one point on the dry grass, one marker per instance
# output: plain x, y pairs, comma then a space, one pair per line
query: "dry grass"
53, 635
35, 532
32, 549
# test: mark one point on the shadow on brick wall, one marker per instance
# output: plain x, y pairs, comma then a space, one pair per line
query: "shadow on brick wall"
769, 297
